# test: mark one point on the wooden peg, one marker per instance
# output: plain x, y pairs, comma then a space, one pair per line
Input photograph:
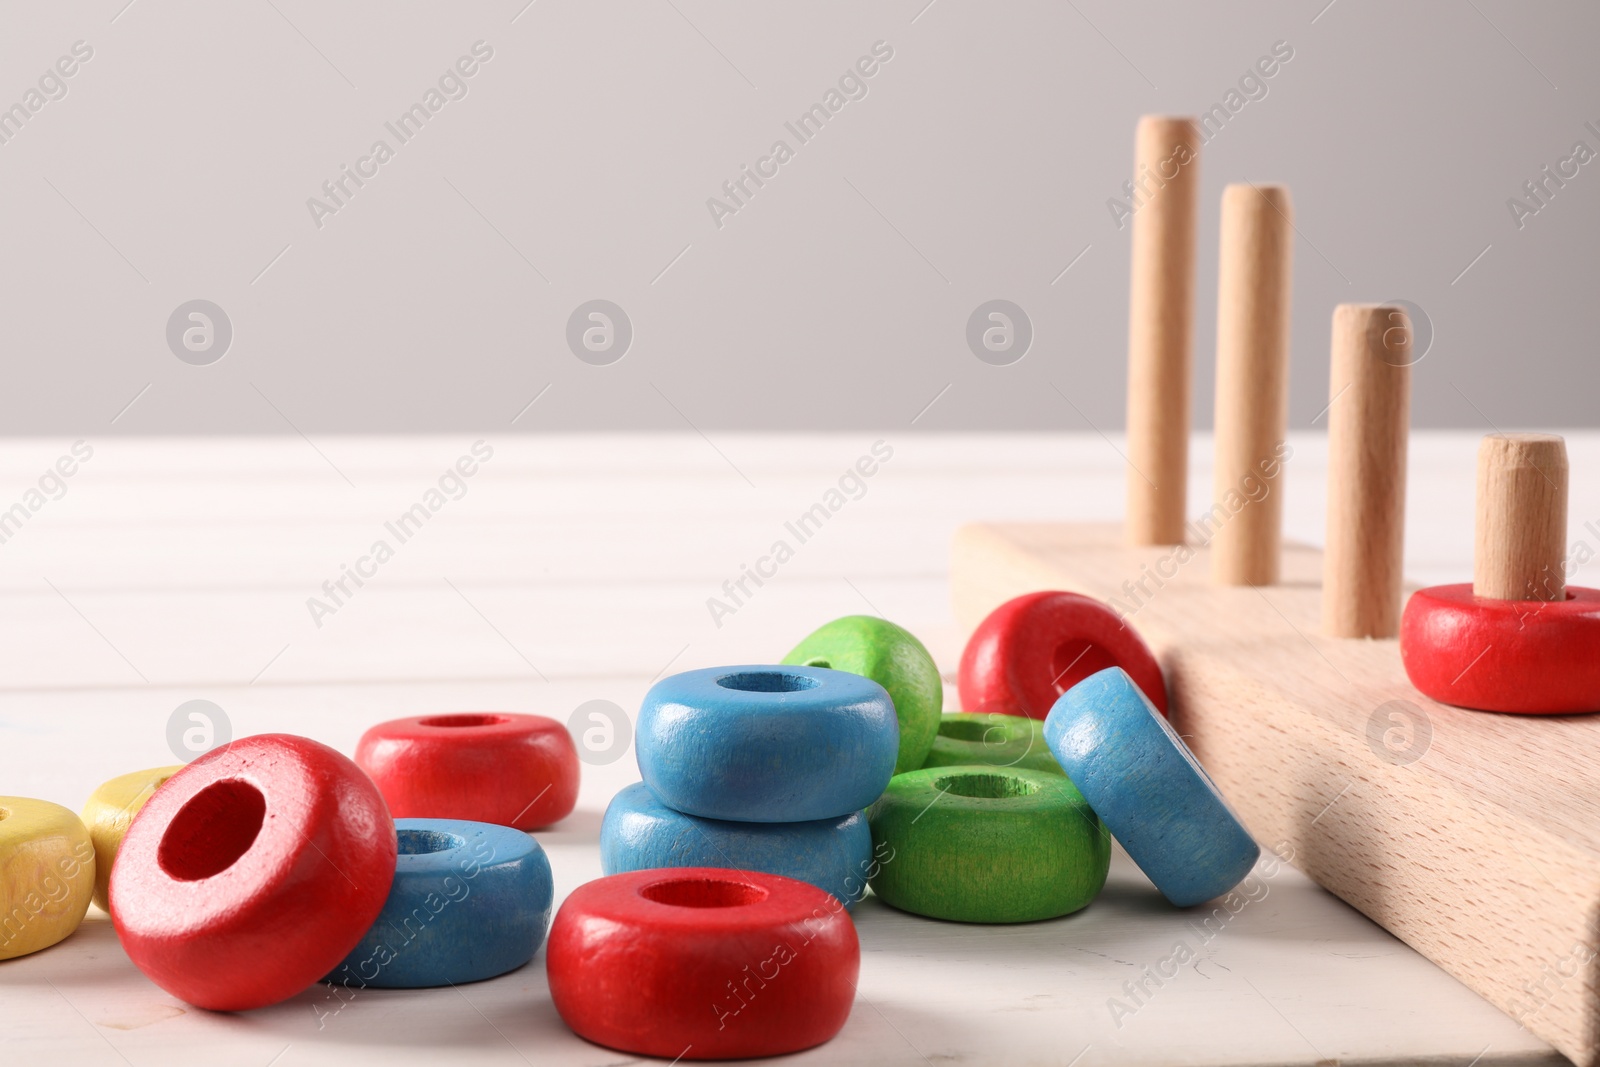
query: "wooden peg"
1369, 408
1516, 638
1253, 284
1520, 549
1166, 182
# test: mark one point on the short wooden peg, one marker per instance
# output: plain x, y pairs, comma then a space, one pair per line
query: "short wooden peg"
1522, 517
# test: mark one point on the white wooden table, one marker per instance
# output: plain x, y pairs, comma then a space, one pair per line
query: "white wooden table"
579, 568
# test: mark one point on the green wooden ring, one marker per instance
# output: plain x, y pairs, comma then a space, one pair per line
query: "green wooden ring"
972, 738
891, 656
986, 845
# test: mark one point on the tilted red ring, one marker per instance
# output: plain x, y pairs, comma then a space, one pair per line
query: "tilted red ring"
1035, 647
252, 872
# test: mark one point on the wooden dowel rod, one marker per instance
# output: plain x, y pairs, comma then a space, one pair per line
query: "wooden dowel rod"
1252, 409
1520, 551
1369, 408
1166, 181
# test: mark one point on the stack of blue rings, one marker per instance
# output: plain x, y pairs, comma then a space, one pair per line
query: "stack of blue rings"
757, 768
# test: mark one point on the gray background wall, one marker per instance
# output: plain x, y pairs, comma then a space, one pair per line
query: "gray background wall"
578, 164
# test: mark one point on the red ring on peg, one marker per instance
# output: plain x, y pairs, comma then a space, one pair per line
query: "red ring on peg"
1033, 648
252, 872
1531, 657
496, 767
703, 963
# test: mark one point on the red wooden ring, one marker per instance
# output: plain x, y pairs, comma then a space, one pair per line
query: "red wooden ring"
703, 963
1031, 649
1535, 657
252, 872
496, 767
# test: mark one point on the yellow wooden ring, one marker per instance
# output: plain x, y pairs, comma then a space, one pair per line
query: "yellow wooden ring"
46, 874
108, 812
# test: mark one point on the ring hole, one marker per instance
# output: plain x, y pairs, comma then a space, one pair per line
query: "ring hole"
987, 786
767, 682
421, 842
988, 733
212, 830
1074, 661
703, 893
818, 661
465, 720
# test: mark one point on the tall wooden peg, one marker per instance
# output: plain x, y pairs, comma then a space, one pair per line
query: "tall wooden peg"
1166, 181
1252, 406
1520, 546
1368, 413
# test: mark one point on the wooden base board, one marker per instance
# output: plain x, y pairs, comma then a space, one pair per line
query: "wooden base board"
1474, 838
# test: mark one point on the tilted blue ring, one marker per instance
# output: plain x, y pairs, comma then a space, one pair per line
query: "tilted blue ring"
470, 900
641, 833
767, 743
1147, 787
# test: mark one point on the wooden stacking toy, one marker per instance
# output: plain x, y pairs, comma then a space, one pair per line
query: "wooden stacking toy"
703, 963
109, 812
1476, 837
1033, 648
252, 872
773, 794
989, 738
1144, 783
641, 833
47, 870
1517, 638
767, 743
496, 767
760, 768
891, 656
470, 900
987, 845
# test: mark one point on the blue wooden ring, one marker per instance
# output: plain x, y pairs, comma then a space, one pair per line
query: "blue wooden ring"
470, 900
767, 743
1147, 787
640, 833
